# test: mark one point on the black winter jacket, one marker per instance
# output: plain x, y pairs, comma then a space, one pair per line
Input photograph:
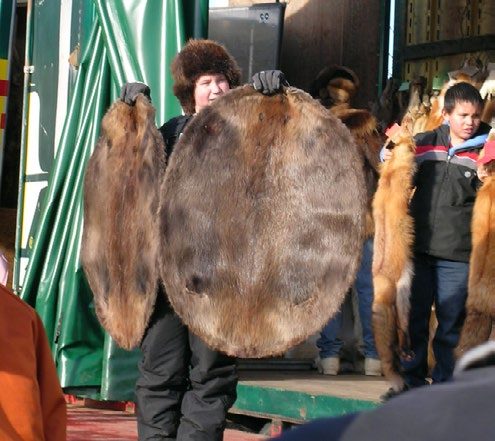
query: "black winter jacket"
171, 131
446, 185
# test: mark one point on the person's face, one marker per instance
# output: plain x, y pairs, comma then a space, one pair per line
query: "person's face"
464, 121
208, 88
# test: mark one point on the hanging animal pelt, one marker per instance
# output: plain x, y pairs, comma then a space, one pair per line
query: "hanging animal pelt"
416, 115
120, 239
392, 258
334, 88
364, 129
334, 85
386, 108
480, 304
262, 218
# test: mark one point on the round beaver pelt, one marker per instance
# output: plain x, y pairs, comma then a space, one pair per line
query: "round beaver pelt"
262, 216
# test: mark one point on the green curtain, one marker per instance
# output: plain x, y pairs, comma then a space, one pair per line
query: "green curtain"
130, 40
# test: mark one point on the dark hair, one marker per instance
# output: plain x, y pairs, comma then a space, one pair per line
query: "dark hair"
461, 92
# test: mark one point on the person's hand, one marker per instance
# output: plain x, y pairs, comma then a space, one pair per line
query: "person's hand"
269, 82
387, 154
130, 91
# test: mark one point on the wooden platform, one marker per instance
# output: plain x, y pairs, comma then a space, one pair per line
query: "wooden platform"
286, 396
291, 396
302, 396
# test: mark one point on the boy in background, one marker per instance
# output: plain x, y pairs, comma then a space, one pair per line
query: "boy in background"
446, 182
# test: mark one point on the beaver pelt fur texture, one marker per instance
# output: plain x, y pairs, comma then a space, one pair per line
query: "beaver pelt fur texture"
262, 221
480, 304
392, 257
120, 238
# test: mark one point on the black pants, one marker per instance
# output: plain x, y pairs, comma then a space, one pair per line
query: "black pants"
184, 388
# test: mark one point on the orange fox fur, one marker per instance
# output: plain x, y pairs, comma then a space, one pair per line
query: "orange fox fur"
392, 267
363, 127
414, 119
480, 305
435, 117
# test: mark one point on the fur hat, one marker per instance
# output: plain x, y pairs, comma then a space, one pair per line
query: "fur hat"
334, 85
200, 57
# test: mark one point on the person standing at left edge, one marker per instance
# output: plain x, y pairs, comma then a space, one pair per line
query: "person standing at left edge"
184, 388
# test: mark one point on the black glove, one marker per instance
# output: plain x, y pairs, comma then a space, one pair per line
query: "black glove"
269, 82
130, 91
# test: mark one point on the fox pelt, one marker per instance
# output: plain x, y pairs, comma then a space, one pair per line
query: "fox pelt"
480, 304
262, 221
418, 107
334, 87
120, 238
392, 256
364, 129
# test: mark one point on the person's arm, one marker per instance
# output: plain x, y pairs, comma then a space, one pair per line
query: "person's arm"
4, 270
386, 152
32, 403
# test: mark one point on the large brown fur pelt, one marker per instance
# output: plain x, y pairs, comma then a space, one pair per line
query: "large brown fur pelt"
480, 304
392, 266
262, 218
120, 239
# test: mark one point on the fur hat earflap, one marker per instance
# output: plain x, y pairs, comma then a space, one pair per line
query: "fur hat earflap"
201, 57
334, 85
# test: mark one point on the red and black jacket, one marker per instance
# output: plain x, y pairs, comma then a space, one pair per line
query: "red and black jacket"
446, 184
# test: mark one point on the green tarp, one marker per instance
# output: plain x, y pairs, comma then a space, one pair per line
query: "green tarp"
130, 40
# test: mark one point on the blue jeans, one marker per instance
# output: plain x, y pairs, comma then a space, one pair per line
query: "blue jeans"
330, 342
444, 284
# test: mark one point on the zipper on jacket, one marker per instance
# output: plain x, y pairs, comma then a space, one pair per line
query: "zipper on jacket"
444, 176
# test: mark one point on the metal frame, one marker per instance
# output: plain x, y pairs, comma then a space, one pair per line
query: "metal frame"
404, 53
384, 40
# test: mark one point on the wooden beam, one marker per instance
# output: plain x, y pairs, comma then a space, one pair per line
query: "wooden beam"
448, 47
